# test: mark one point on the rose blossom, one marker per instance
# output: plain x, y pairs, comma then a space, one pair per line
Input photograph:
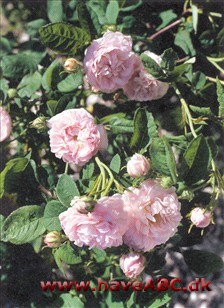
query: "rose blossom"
102, 228
109, 62
142, 86
154, 214
138, 166
5, 124
132, 264
75, 137
200, 217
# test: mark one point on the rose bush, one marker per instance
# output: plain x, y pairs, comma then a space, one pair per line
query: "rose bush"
109, 184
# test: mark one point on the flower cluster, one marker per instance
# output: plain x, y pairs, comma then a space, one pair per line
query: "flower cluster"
140, 218
110, 64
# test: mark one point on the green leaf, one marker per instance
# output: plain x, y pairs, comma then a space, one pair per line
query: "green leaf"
29, 84
183, 40
160, 300
120, 125
70, 83
195, 17
99, 255
24, 224
162, 157
67, 254
51, 106
166, 17
220, 94
66, 190
51, 213
16, 66
132, 7
201, 111
63, 38
3, 89
115, 163
49, 78
112, 11
107, 118
70, 301
88, 171
169, 58
152, 67
180, 69
196, 161
14, 166
203, 262
97, 10
144, 130
55, 10
83, 15
34, 25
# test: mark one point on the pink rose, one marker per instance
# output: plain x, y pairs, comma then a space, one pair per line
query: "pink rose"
109, 62
75, 137
5, 124
200, 217
154, 214
102, 228
142, 86
132, 264
138, 166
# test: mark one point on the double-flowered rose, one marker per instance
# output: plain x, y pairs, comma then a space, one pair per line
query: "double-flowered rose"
5, 124
132, 264
154, 215
74, 137
142, 86
200, 217
102, 228
109, 62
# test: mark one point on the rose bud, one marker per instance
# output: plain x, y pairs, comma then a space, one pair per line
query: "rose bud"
138, 166
200, 217
5, 124
83, 204
39, 123
132, 264
53, 239
70, 64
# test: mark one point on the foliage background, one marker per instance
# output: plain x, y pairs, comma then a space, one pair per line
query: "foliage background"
199, 35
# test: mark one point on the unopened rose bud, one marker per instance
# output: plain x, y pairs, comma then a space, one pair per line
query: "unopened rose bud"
200, 217
83, 204
12, 93
39, 123
132, 264
106, 28
53, 239
70, 64
138, 166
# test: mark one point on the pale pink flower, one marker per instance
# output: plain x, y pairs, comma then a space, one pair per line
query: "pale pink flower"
75, 137
138, 166
102, 228
109, 62
132, 264
142, 86
200, 217
5, 124
154, 214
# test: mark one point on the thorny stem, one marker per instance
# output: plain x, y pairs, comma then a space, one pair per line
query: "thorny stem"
66, 168
167, 28
186, 110
46, 191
